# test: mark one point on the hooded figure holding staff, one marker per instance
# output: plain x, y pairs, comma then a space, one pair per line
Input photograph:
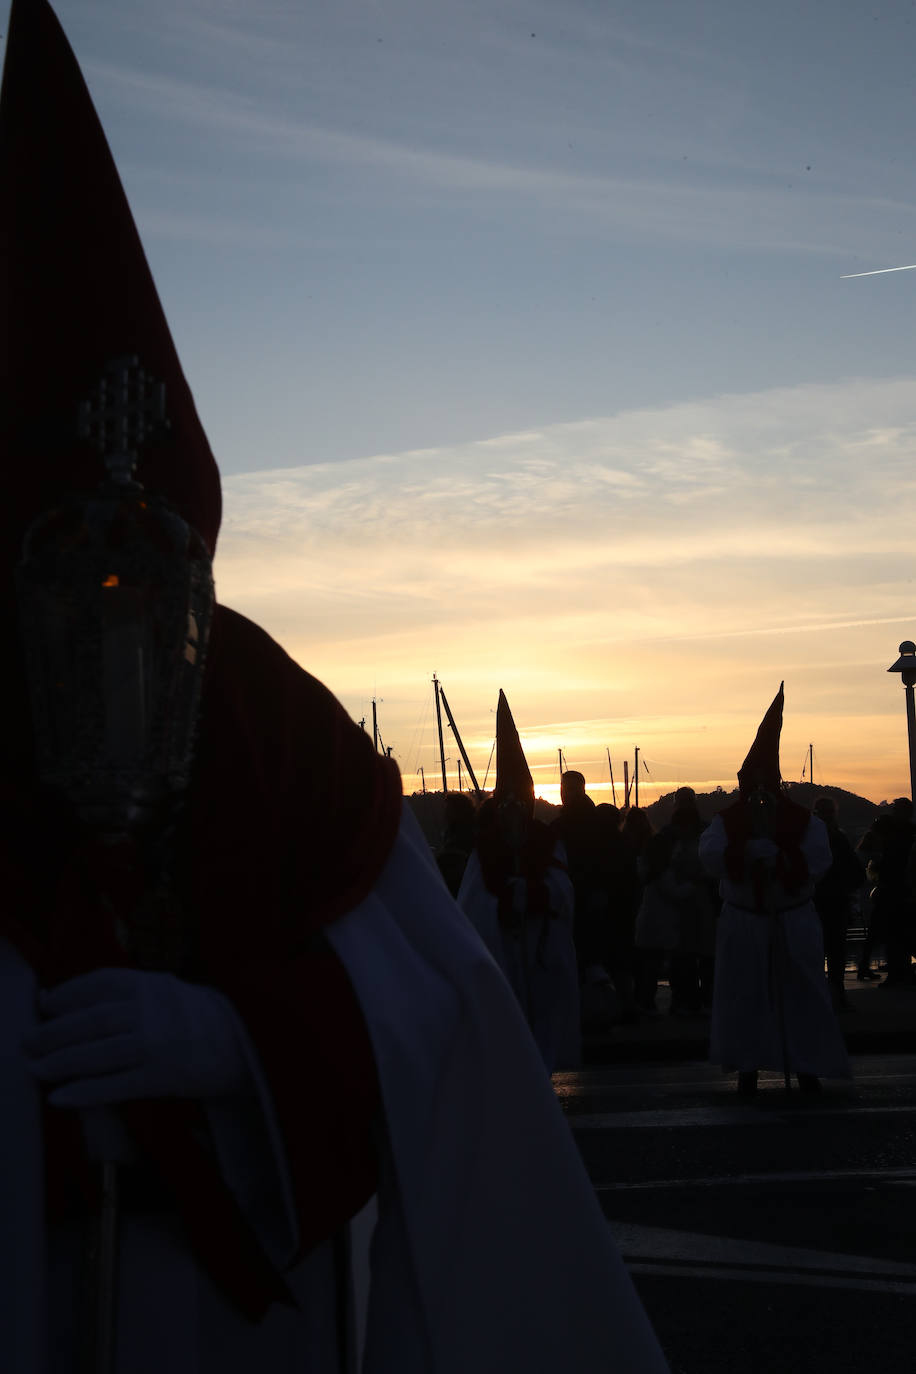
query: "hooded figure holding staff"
518, 896
231, 974
771, 1003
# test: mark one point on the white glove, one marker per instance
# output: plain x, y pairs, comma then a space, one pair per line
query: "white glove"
116, 1035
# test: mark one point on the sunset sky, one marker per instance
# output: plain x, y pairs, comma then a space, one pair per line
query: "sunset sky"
519, 332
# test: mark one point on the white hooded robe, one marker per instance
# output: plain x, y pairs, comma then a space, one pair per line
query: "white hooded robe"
486, 1249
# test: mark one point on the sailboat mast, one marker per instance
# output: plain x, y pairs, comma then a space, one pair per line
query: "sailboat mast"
611, 771
636, 775
374, 726
441, 740
811, 764
458, 741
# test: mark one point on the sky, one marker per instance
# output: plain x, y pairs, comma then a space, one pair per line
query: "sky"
520, 332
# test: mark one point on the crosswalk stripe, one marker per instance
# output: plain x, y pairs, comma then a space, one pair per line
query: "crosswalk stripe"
662, 1243
810, 1176
671, 1118
598, 1081
715, 1084
718, 1273
745, 1115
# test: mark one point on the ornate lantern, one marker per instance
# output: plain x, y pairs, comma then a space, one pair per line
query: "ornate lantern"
115, 594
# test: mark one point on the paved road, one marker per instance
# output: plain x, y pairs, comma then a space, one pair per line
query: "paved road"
776, 1236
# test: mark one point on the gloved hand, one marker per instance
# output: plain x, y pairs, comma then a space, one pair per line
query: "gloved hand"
120, 1034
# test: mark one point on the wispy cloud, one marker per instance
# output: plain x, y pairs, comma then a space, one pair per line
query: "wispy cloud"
608, 559
789, 470
740, 212
210, 230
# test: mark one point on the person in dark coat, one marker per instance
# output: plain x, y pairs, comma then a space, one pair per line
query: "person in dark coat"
459, 836
677, 916
576, 828
638, 831
613, 899
888, 846
868, 850
833, 899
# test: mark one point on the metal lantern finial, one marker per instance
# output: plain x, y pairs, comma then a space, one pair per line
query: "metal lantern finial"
127, 406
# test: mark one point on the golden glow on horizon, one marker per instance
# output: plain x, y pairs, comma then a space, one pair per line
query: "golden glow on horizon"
599, 791
646, 580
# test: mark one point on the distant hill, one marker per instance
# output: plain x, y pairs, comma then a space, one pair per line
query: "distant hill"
855, 813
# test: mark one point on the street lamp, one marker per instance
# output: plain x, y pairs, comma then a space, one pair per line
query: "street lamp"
906, 667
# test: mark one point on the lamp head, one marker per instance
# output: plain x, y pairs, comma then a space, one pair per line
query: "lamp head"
906, 663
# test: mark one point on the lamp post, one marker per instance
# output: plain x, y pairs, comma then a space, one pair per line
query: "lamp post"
906, 667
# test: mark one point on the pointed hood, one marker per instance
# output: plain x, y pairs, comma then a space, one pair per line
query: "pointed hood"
788, 821
513, 776
277, 756
76, 292
761, 767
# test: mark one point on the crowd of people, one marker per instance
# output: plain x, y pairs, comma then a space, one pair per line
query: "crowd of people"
745, 913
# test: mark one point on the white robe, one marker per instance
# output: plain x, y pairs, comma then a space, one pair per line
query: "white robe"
171, 1316
541, 969
490, 1251
771, 1002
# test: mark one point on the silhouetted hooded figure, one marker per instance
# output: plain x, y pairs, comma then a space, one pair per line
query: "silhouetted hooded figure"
330, 1033
517, 894
77, 295
771, 1003
576, 827
763, 806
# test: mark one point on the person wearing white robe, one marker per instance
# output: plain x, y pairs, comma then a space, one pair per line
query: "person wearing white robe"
771, 1002
486, 1249
517, 894
537, 955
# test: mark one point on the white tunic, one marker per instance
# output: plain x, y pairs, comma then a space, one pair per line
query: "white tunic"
494, 1216
490, 1251
540, 967
771, 1003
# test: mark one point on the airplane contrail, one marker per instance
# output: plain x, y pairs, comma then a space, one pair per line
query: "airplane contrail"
879, 271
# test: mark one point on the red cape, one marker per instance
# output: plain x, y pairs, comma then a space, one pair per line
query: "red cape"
790, 821
292, 816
